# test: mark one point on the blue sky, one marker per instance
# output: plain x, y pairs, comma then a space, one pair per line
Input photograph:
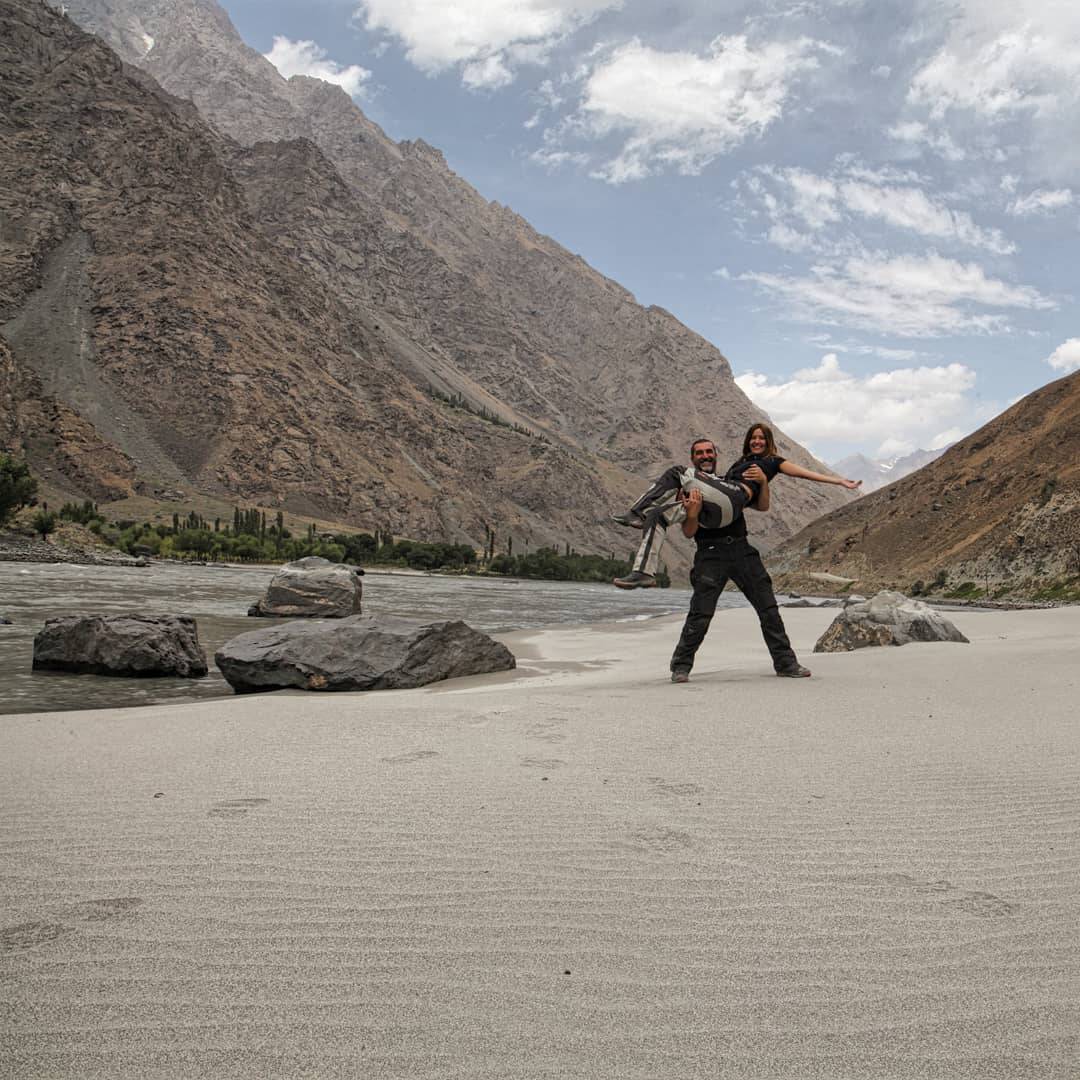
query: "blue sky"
871, 207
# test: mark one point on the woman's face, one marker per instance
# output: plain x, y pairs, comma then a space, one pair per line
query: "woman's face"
758, 443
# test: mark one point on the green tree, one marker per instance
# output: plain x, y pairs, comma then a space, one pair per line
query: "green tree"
17, 486
44, 522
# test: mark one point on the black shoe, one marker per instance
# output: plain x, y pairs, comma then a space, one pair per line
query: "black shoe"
680, 674
796, 671
636, 580
631, 519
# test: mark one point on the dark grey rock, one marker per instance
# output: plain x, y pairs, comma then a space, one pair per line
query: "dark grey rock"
890, 618
312, 588
132, 645
800, 602
4, 622
360, 652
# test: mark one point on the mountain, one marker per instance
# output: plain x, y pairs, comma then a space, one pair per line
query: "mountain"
876, 474
261, 296
1001, 506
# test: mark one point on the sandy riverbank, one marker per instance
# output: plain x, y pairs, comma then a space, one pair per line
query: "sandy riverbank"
572, 870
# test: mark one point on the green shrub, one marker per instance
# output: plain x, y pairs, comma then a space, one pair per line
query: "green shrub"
17, 487
44, 522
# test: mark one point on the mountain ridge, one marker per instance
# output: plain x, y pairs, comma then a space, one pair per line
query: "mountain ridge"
999, 508
238, 287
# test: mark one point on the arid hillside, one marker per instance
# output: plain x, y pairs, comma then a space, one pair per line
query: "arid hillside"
181, 310
495, 312
1001, 509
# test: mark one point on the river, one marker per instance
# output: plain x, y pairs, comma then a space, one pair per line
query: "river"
219, 596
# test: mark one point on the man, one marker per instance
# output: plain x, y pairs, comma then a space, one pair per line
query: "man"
724, 553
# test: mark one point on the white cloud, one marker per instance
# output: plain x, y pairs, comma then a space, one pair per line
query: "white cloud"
306, 58
556, 159
918, 135
1002, 59
1041, 202
1066, 357
851, 192
898, 409
910, 208
882, 71
1000, 63
486, 39
681, 110
909, 296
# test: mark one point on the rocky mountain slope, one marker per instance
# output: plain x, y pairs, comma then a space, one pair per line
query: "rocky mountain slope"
284, 316
1000, 507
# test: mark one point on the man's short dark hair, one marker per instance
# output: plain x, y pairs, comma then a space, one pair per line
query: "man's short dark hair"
698, 442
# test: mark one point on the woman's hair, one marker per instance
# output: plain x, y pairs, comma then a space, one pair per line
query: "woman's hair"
770, 442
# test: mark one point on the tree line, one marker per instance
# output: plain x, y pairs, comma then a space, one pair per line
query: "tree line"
251, 536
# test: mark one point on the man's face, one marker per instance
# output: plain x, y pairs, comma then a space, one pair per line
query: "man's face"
703, 456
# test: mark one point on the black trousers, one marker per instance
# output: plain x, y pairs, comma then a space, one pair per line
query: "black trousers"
714, 565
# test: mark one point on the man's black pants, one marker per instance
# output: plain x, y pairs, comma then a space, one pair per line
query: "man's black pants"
714, 565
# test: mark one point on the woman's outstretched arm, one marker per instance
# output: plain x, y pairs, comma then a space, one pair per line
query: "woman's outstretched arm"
789, 468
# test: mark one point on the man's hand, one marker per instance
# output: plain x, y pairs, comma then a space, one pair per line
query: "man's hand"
691, 503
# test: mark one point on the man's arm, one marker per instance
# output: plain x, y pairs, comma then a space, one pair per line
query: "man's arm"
762, 501
756, 474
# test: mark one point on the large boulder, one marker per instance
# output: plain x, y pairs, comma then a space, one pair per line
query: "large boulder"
312, 588
361, 652
889, 618
132, 645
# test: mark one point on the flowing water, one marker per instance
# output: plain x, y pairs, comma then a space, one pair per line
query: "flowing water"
219, 596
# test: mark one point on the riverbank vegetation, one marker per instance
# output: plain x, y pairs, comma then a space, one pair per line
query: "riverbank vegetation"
250, 536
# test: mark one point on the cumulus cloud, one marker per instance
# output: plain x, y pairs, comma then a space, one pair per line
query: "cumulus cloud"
306, 58
1001, 58
1066, 357
485, 39
906, 295
899, 409
680, 110
1040, 202
1000, 63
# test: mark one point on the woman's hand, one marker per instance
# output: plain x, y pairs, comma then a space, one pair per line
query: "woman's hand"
851, 484
754, 473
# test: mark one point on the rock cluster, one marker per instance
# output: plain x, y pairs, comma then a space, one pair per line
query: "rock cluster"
131, 645
889, 618
312, 588
361, 652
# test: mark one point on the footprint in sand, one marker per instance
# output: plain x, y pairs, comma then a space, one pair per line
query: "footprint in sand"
27, 935
671, 787
982, 905
542, 763
412, 755
235, 807
659, 838
99, 910
547, 730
